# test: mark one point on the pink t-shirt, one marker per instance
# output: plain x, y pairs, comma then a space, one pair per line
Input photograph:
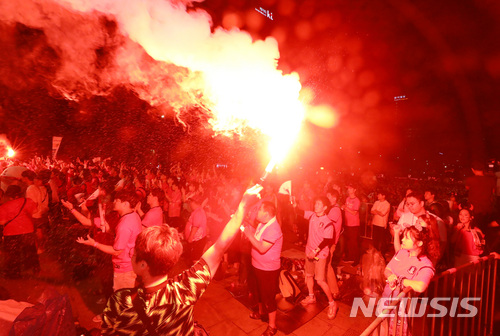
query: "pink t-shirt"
412, 268
127, 230
271, 233
335, 215
154, 217
197, 219
319, 229
353, 204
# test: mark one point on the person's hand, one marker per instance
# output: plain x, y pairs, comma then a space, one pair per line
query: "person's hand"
397, 229
89, 241
312, 254
251, 194
83, 206
67, 205
392, 281
249, 231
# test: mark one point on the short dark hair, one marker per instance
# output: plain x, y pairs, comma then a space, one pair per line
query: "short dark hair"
159, 247
431, 190
29, 174
197, 199
127, 196
418, 195
269, 207
323, 200
44, 175
158, 193
334, 193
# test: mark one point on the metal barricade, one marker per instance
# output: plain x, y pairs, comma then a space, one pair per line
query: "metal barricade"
365, 220
459, 301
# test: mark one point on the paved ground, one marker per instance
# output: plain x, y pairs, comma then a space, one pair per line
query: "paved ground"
221, 314
217, 311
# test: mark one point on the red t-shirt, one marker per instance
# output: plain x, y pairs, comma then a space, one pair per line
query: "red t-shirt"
21, 224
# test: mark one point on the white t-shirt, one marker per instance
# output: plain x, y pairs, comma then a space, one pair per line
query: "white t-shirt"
383, 207
271, 233
40, 196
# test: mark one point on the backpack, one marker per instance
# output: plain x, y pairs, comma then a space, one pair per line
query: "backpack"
288, 286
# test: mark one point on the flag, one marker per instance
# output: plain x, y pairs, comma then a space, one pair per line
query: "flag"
286, 188
56, 143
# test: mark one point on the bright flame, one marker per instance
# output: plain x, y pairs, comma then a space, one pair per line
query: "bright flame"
10, 152
235, 80
275, 108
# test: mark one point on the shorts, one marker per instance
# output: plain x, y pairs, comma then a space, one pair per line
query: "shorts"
264, 286
316, 268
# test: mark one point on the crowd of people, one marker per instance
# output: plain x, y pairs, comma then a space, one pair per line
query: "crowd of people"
142, 220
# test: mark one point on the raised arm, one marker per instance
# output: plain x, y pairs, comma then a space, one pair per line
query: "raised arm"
79, 216
397, 237
214, 254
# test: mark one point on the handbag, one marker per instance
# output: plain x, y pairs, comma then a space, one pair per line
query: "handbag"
10, 220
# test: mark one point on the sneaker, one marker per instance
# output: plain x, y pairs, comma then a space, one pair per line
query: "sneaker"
333, 308
97, 319
308, 300
270, 331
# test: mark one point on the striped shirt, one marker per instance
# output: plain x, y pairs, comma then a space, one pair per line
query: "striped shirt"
169, 306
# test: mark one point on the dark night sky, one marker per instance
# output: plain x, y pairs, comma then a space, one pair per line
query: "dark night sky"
355, 55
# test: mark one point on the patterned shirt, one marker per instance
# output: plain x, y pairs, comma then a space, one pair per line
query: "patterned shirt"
169, 306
